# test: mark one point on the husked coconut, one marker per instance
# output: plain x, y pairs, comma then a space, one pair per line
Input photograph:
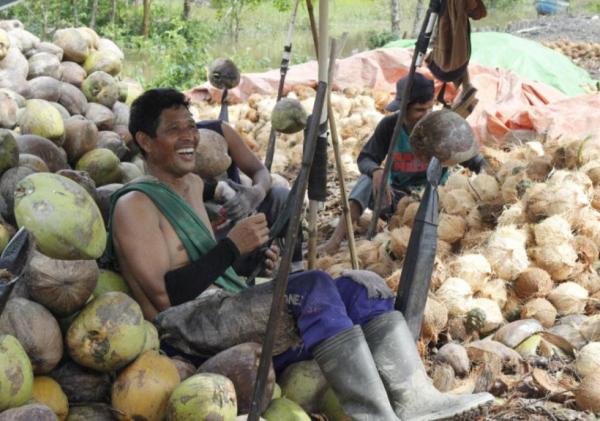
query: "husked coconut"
435, 318
568, 298
587, 394
590, 328
589, 279
493, 315
514, 187
512, 215
451, 228
457, 180
543, 200
588, 359
408, 217
473, 268
506, 253
559, 260
456, 295
494, 289
485, 186
399, 238
541, 310
539, 168
592, 169
457, 202
553, 230
473, 219
533, 282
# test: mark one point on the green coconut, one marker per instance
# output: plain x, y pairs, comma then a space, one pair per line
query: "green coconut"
81, 136
35, 163
42, 119
102, 165
204, 396
102, 88
16, 374
61, 215
129, 172
304, 383
105, 61
91, 412
9, 151
74, 44
72, 73
332, 408
4, 44
151, 341
30, 412
282, 409
36, 329
8, 110
276, 392
54, 157
109, 281
44, 64
288, 116
108, 333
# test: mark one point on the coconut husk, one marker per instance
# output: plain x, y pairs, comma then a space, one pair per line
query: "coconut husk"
112, 141
36, 329
102, 116
32, 411
52, 155
74, 44
33, 162
46, 47
45, 87
62, 286
457, 202
8, 111
539, 168
44, 64
72, 73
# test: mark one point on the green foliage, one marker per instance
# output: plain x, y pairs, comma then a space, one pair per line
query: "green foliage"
379, 39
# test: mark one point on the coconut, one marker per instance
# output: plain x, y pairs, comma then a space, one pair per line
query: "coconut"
102, 165
304, 383
61, 215
25, 39
42, 119
36, 329
552, 230
151, 341
48, 392
73, 43
64, 113
102, 88
9, 151
102, 116
91, 412
223, 74
52, 155
203, 396
456, 356
485, 187
332, 408
559, 260
240, 364
32, 162
44, 64
113, 142
142, 390
457, 202
473, 268
506, 252
588, 359
451, 228
123, 131
491, 310
133, 89
289, 116
46, 47
4, 44
435, 318
283, 409
538, 168
516, 332
108, 333
533, 282
399, 238
103, 195
15, 65
62, 286
110, 281
81, 136
82, 178
72, 73
212, 157
106, 44
81, 384
8, 183
129, 172
105, 61
72, 99
587, 395
33, 411
514, 187
44, 87
455, 294
16, 376
8, 111
184, 367
408, 217
541, 310
590, 328
568, 298
563, 198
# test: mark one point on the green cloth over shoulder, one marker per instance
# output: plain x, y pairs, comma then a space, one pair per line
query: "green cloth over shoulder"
192, 232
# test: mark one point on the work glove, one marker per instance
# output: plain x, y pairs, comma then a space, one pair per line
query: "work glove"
244, 202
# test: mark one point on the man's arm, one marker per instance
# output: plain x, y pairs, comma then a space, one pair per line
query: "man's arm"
375, 150
141, 243
245, 159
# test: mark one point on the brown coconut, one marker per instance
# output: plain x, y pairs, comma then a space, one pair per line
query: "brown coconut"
539, 168
82, 178
541, 310
52, 155
240, 365
587, 394
113, 142
408, 217
559, 260
44, 64
102, 116
45, 87
9, 150
435, 318
72, 73
46, 47
121, 112
8, 183
102, 88
589, 279
399, 238
568, 298
212, 157
81, 384
485, 187
72, 99
451, 228
457, 202
184, 367
81, 136
102, 197
36, 329
33, 162
29, 412
74, 44
533, 282
8, 110
62, 286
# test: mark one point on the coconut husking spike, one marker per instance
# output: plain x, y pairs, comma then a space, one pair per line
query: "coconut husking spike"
14, 259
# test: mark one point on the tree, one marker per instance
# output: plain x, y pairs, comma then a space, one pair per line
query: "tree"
75, 13
146, 21
113, 12
94, 13
187, 6
395, 14
230, 11
419, 16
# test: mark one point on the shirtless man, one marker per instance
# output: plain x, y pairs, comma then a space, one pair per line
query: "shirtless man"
347, 324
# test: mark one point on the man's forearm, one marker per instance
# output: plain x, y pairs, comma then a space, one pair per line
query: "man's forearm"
262, 178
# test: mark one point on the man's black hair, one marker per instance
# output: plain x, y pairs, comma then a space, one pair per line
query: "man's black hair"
146, 109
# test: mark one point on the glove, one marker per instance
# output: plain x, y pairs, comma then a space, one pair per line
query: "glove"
244, 202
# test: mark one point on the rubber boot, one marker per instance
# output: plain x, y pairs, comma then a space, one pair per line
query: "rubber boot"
410, 390
348, 366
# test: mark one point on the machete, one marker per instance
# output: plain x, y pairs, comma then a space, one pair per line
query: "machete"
13, 262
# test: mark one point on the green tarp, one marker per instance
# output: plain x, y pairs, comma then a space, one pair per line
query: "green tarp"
529, 59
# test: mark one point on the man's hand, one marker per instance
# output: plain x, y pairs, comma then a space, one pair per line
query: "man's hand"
272, 255
377, 175
245, 201
250, 233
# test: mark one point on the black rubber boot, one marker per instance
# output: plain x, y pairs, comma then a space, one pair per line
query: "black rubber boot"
410, 390
348, 366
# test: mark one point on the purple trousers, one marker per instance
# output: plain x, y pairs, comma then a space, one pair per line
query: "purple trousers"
323, 307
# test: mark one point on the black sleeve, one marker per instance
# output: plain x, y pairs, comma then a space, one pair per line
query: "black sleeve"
374, 151
209, 189
187, 282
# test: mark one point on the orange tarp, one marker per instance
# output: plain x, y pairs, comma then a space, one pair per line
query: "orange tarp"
506, 101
